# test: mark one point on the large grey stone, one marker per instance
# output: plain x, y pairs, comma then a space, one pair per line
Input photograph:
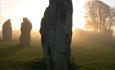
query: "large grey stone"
7, 30
25, 37
56, 33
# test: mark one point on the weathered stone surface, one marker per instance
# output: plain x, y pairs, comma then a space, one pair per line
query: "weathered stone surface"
25, 37
56, 33
7, 31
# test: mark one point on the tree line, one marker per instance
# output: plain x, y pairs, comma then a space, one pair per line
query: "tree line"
99, 16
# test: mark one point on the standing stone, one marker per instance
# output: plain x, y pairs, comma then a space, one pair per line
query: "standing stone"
56, 33
26, 27
7, 30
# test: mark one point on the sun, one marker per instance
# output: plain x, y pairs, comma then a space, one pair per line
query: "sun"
80, 24
78, 14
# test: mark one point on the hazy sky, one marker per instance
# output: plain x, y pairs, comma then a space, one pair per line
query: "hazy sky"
34, 9
110, 2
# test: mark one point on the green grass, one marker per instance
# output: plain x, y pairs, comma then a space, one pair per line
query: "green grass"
15, 57
88, 53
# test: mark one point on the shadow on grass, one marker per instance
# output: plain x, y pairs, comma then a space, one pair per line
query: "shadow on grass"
31, 65
37, 64
73, 66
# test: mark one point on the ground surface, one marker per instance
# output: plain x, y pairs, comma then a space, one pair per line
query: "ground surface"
87, 54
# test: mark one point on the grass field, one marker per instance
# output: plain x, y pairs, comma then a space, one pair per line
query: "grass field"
87, 53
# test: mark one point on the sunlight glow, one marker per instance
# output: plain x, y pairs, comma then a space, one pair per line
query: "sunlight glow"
78, 14
34, 11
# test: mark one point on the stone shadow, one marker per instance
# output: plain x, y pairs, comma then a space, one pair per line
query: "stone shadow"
39, 64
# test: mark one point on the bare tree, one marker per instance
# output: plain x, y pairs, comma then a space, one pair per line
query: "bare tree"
97, 13
111, 18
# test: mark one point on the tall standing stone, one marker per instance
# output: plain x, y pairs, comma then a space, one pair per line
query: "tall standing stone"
26, 27
56, 33
7, 30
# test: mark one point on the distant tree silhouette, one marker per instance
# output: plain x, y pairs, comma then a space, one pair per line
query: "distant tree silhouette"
26, 27
7, 30
56, 32
97, 14
111, 18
